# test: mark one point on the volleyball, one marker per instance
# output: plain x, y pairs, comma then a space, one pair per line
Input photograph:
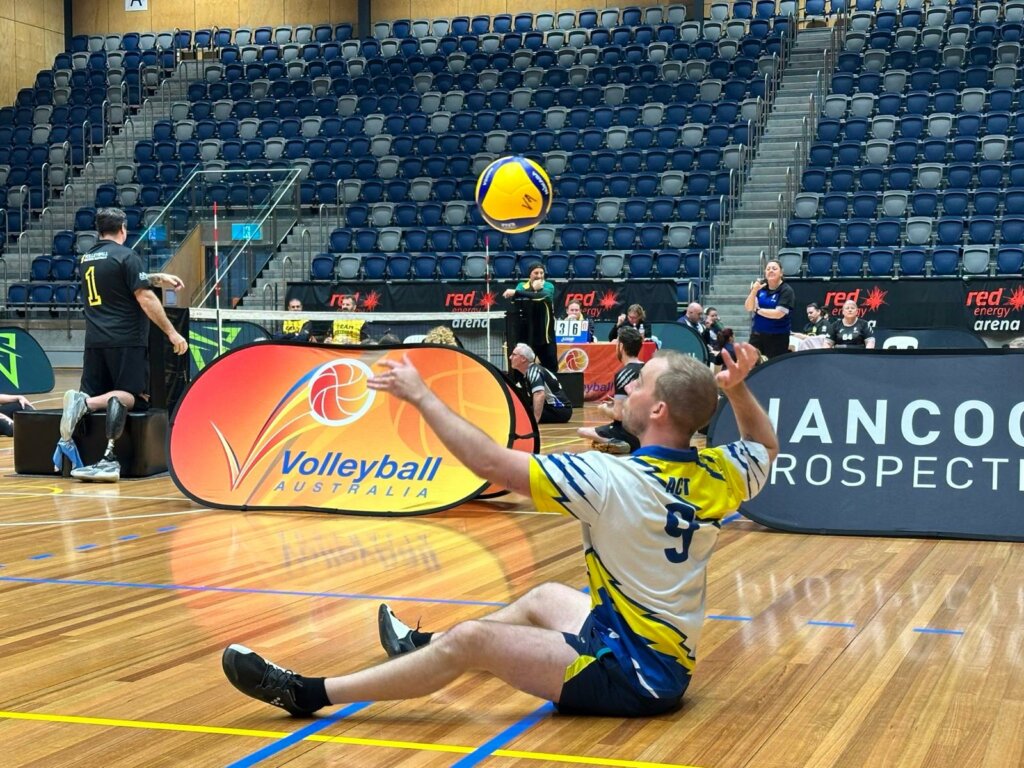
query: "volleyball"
338, 394
514, 194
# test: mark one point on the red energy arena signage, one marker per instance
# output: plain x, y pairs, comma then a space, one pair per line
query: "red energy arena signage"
286, 426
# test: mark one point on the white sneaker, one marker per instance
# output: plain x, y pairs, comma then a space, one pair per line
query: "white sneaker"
103, 471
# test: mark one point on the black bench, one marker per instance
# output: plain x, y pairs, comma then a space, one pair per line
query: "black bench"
141, 449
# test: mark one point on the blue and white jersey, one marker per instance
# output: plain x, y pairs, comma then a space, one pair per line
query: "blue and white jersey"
650, 523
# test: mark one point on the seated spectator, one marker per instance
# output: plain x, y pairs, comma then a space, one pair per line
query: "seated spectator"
817, 323
851, 331
574, 311
613, 438
633, 317
726, 340
694, 318
347, 330
297, 329
712, 329
442, 334
9, 405
540, 386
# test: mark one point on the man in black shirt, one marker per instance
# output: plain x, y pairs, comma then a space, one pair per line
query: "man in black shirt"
613, 438
550, 403
119, 305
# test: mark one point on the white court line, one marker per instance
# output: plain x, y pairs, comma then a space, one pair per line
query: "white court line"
109, 519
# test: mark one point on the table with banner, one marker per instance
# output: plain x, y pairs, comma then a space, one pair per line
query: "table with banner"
598, 364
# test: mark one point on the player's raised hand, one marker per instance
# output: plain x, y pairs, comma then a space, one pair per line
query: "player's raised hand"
401, 379
735, 371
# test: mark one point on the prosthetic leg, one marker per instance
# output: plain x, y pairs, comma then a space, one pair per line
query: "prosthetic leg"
75, 407
107, 469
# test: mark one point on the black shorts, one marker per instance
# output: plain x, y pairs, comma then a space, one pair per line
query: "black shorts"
555, 415
601, 687
616, 431
105, 369
770, 344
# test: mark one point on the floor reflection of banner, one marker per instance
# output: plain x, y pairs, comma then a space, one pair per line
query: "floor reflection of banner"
24, 367
897, 443
286, 426
328, 566
598, 363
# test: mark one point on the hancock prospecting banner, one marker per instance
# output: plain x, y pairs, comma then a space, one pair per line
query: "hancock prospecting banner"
294, 426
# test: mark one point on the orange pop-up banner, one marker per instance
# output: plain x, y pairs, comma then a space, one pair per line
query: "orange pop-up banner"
286, 426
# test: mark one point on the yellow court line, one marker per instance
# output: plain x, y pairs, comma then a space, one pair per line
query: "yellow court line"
351, 740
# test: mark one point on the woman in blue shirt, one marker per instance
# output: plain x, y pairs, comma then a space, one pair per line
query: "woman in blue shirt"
771, 300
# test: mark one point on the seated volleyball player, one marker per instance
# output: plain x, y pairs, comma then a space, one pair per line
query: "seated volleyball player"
119, 305
613, 438
649, 525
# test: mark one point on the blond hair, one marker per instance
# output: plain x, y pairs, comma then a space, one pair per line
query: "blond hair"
441, 335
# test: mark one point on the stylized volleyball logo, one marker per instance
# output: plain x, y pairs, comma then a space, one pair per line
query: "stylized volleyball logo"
338, 394
574, 360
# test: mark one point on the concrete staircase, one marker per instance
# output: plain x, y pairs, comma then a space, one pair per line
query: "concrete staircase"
758, 206
37, 239
290, 263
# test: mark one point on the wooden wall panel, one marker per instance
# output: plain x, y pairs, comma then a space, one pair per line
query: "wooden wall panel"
120, 20
344, 10
54, 15
216, 13
260, 13
7, 9
171, 15
306, 11
389, 10
476, 7
8, 75
29, 53
31, 12
89, 17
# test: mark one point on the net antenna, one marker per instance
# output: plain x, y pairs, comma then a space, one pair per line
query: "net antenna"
487, 286
216, 284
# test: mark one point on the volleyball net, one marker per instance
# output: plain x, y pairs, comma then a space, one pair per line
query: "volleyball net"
212, 332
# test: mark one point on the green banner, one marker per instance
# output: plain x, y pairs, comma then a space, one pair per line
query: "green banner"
24, 367
203, 348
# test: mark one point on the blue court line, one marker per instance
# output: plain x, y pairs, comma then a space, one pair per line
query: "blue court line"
929, 631
166, 528
42, 556
86, 547
845, 624
129, 537
239, 590
486, 749
282, 744
732, 518
729, 618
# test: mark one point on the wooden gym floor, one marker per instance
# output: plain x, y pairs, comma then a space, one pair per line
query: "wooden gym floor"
116, 601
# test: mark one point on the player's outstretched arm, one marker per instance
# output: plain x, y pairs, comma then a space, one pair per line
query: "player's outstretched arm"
751, 419
488, 460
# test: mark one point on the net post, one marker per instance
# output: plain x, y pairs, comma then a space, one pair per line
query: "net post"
216, 282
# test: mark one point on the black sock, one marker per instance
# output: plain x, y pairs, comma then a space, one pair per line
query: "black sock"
419, 639
312, 694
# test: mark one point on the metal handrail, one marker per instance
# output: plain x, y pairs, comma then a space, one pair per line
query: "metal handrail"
306, 244
286, 266
3, 265
263, 294
321, 219
86, 142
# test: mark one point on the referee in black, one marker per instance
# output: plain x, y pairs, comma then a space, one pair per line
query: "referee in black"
119, 304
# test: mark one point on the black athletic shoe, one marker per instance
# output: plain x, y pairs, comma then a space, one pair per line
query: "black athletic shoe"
261, 679
395, 637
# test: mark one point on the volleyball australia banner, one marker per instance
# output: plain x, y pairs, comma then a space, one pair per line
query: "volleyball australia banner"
993, 309
294, 426
600, 300
897, 443
24, 367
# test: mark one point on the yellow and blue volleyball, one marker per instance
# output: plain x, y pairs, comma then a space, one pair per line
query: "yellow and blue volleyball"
514, 194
